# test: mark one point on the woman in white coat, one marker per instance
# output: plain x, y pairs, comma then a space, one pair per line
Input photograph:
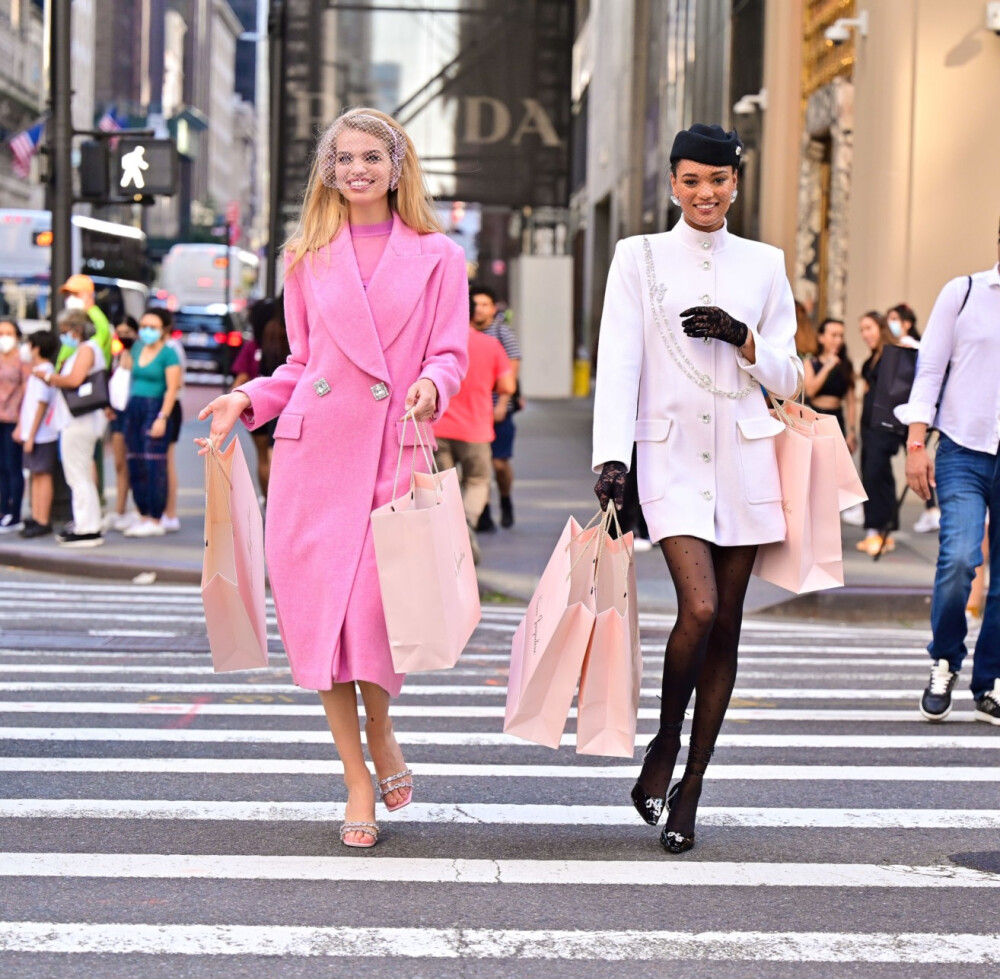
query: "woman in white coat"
696, 322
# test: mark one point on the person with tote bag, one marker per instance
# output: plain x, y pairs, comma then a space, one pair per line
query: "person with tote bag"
696, 321
376, 306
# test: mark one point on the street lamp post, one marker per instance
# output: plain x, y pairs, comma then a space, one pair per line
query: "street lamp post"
61, 152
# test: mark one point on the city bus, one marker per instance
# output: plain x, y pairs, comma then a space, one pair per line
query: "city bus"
205, 275
113, 255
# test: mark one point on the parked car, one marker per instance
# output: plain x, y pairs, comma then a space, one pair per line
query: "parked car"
211, 337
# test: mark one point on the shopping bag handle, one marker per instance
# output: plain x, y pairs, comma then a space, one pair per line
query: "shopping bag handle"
798, 424
213, 454
611, 517
424, 448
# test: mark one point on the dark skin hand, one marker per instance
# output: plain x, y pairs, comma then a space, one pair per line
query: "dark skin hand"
714, 323
610, 485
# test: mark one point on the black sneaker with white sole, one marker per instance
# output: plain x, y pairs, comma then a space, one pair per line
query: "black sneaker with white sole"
988, 705
72, 539
935, 704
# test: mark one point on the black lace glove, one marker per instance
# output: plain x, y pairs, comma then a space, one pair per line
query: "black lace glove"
710, 321
610, 485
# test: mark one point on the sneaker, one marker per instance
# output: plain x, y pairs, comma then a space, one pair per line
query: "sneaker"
935, 704
929, 521
9, 523
854, 515
641, 544
121, 521
170, 524
73, 539
506, 512
36, 529
145, 528
485, 524
988, 706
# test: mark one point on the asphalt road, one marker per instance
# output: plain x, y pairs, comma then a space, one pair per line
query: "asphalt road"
158, 819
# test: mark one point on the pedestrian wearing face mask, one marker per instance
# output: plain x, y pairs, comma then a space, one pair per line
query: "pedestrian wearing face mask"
78, 291
78, 435
126, 333
14, 375
156, 382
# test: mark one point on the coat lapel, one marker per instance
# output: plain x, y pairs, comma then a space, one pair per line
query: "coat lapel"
398, 282
339, 299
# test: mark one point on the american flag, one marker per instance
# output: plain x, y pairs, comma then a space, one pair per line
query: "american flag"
23, 147
110, 122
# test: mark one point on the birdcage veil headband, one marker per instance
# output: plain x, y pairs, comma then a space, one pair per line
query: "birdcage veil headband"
393, 140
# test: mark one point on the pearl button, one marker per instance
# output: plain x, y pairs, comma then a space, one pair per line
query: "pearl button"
706, 243
706, 265
706, 339
706, 418
706, 494
706, 457
705, 298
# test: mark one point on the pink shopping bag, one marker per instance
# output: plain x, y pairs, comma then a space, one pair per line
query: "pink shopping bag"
849, 489
810, 558
608, 704
550, 643
430, 593
232, 574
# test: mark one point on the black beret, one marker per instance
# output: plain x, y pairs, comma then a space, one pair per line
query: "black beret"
710, 145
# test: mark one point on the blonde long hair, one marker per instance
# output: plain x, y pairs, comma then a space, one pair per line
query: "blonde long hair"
324, 209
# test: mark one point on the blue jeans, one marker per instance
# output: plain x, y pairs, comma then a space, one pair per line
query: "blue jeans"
968, 487
11, 475
147, 457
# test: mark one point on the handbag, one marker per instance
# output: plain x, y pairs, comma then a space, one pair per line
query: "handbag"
232, 575
811, 557
91, 395
119, 387
611, 682
429, 616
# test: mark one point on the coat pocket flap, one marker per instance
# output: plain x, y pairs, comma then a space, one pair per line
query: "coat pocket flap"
288, 426
760, 428
652, 429
406, 434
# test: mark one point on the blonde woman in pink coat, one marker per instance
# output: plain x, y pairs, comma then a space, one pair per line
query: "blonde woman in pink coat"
376, 303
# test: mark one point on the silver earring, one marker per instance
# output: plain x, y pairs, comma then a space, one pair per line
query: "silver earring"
733, 196
675, 200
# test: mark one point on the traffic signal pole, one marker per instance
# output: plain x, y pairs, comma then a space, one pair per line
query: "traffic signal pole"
61, 152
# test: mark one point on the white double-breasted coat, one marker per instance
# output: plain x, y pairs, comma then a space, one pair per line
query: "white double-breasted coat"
704, 438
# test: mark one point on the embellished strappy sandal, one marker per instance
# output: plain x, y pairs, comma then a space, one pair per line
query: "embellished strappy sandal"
392, 783
369, 829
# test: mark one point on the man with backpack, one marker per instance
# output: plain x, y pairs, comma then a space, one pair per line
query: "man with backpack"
962, 341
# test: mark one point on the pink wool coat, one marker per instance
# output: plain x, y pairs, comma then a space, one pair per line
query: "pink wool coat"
339, 400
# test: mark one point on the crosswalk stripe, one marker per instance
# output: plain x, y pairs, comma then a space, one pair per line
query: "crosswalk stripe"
272, 710
901, 742
416, 688
626, 770
649, 873
472, 944
495, 814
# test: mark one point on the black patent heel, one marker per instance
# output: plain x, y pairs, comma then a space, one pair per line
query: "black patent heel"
650, 807
670, 839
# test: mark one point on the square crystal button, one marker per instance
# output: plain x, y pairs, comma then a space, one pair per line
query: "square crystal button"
379, 391
321, 387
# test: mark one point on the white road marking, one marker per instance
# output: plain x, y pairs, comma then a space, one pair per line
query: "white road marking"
188, 735
501, 944
270, 710
649, 873
626, 770
495, 814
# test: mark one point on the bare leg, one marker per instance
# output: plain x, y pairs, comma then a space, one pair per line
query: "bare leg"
121, 472
170, 509
262, 442
504, 472
977, 596
341, 707
382, 745
41, 497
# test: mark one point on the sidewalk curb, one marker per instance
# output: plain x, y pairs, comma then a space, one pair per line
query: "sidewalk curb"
68, 562
857, 603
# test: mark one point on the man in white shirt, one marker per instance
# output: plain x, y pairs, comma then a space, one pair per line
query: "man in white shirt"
962, 343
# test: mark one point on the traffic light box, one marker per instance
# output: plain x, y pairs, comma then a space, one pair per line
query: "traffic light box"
128, 169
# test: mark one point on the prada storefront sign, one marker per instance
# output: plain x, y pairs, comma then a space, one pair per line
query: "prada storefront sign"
483, 89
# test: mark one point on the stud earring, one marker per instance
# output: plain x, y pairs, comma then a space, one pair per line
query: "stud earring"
675, 200
733, 196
